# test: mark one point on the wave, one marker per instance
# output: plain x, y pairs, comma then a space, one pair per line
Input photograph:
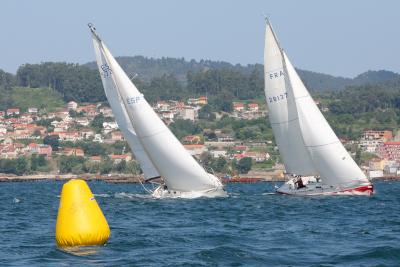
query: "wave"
132, 195
101, 195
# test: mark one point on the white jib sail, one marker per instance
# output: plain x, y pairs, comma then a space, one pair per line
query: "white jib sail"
330, 158
122, 118
284, 122
179, 169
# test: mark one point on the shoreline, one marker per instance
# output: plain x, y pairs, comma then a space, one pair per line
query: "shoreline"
124, 178
118, 178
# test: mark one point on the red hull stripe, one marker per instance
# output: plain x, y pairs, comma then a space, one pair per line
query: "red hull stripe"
363, 189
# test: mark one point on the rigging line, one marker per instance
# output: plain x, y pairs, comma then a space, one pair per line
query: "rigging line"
334, 142
282, 122
268, 22
145, 189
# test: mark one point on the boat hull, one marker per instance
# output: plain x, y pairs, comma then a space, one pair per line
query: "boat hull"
319, 189
160, 192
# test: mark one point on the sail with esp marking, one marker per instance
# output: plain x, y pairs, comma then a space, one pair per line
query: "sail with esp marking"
176, 166
121, 116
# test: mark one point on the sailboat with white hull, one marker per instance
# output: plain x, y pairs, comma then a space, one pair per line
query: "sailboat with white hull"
316, 162
153, 144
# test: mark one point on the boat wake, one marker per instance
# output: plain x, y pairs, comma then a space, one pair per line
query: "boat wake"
353, 193
101, 195
190, 195
125, 195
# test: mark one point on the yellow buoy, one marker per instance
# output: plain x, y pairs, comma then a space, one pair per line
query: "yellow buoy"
80, 221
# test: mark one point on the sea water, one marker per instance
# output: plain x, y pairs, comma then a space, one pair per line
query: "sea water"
252, 227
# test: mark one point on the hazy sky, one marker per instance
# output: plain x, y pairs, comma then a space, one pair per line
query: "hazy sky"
339, 37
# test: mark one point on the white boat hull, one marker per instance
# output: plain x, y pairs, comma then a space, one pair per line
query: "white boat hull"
314, 188
161, 192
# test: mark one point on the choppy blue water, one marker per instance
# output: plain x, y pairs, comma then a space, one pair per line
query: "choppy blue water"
253, 227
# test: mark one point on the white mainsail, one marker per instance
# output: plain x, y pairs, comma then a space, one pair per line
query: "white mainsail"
283, 119
122, 118
329, 156
305, 140
179, 169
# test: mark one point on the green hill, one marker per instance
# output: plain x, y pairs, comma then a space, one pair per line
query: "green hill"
171, 78
42, 98
150, 68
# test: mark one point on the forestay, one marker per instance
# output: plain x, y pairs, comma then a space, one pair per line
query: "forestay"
179, 169
283, 118
121, 115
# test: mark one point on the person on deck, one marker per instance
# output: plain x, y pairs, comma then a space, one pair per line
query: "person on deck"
299, 182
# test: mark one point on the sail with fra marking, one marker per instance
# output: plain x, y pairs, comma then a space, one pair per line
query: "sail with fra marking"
283, 120
121, 116
311, 151
180, 171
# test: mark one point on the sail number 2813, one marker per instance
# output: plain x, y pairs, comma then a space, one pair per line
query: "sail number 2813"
277, 98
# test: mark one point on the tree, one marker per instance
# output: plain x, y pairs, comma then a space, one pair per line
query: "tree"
211, 136
34, 162
72, 81
133, 167
206, 113
121, 166
91, 167
72, 113
37, 132
21, 166
220, 164
97, 122
357, 157
106, 165
206, 159
244, 165
120, 147
182, 128
71, 164
52, 140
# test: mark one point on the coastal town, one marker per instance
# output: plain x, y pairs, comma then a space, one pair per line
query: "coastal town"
55, 143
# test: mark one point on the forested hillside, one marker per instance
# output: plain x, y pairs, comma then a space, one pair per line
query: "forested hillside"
149, 68
171, 78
